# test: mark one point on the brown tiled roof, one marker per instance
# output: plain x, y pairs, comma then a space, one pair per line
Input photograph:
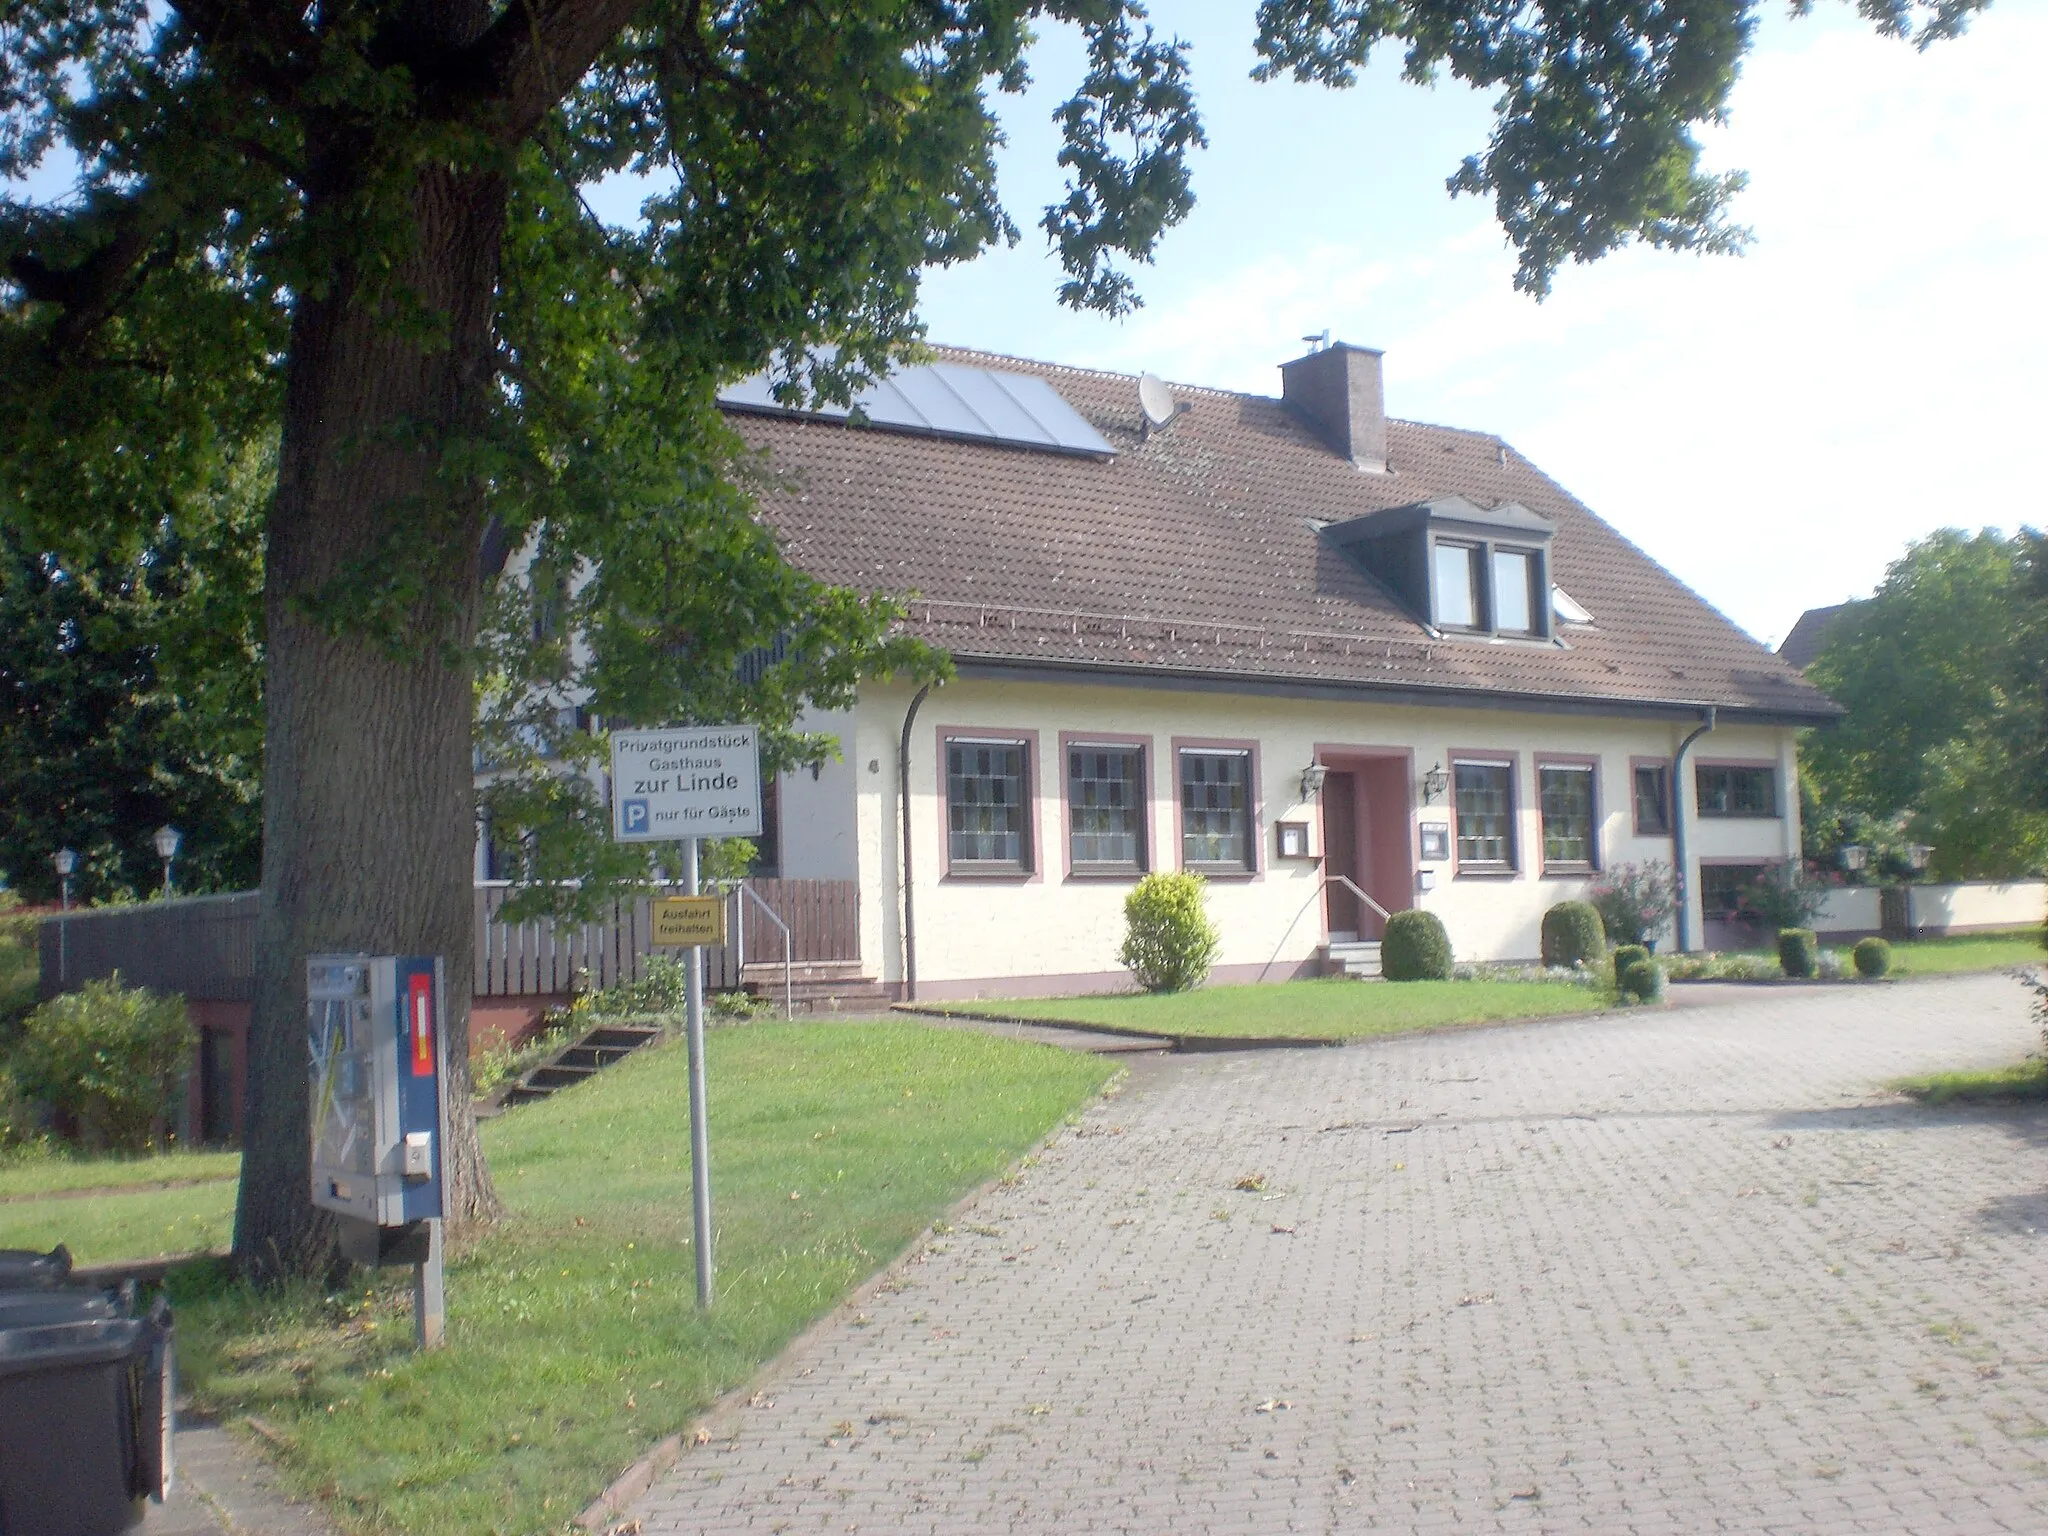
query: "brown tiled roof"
1810, 634
1195, 552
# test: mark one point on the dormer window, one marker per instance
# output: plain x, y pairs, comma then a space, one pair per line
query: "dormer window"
1460, 598
1514, 591
1460, 567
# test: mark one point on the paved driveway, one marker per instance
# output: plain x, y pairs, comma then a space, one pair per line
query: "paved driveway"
1674, 1272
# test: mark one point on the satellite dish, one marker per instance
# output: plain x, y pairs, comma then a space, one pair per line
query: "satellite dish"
1156, 400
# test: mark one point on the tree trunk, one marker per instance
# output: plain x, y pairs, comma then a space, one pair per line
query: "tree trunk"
368, 829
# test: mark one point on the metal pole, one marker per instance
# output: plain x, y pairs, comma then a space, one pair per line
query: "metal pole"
1680, 855
430, 1292
700, 1137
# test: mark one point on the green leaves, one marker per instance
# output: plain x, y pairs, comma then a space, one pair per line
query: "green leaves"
1136, 97
1593, 145
1943, 673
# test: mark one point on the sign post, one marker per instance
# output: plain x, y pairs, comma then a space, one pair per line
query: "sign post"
679, 786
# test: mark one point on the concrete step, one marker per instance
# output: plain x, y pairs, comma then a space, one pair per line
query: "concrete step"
600, 1047
820, 986
1356, 958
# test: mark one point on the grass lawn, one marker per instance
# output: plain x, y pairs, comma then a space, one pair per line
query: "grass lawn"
136, 1224
1968, 952
2027, 1080
575, 1339
1327, 1009
31, 1176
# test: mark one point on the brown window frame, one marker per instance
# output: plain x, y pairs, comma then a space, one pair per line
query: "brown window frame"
1254, 808
1141, 746
1030, 866
1637, 765
1744, 765
1487, 869
1570, 763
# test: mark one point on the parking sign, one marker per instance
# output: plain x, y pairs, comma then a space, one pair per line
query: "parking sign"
690, 782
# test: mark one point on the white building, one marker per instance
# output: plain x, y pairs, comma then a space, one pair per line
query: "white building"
1279, 641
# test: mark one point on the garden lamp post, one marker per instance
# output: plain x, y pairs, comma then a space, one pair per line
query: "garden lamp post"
64, 861
167, 840
1854, 857
1919, 854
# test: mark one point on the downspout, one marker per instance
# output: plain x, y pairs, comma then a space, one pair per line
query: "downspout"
909, 891
1678, 852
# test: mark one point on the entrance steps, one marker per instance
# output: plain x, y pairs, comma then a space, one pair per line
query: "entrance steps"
579, 1060
1357, 958
817, 986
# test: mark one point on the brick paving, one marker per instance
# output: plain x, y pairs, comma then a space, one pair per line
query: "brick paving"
1667, 1272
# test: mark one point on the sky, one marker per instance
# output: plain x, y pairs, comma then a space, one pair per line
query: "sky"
1775, 428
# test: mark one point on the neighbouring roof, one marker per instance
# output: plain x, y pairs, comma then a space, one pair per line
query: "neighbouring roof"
1196, 552
1810, 635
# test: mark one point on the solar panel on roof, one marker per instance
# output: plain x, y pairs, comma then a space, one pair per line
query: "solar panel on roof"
951, 400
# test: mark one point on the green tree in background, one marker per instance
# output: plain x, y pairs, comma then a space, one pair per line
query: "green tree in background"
1942, 674
362, 223
131, 697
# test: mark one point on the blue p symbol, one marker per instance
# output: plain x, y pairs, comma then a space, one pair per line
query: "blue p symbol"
633, 816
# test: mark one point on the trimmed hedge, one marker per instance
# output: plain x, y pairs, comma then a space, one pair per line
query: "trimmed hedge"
1626, 955
1169, 942
1573, 935
1641, 979
1873, 958
1799, 952
1415, 948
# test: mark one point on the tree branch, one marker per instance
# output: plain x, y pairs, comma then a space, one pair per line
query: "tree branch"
89, 291
267, 46
537, 50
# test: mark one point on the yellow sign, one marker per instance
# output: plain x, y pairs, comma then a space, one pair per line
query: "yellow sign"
683, 921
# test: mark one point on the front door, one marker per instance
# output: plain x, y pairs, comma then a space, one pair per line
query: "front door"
1340, 852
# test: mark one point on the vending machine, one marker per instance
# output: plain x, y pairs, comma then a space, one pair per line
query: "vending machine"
374, 1027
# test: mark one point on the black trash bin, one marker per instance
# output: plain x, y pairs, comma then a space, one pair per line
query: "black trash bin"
85, 1417
38, 1309
24, 1267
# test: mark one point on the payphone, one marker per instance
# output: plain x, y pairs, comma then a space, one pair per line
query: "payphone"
374, 1028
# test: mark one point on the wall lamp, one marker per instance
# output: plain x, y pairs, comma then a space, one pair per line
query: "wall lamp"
1434, 784
1919, 854
1312, 780
1855, 857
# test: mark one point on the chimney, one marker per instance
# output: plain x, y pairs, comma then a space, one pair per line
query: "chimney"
1336, 391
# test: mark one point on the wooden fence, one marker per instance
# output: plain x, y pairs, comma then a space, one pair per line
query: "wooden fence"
205, 946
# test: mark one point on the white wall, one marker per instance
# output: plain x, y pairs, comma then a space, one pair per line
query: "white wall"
1949, 907
1849, 909
818, 840
1054, 926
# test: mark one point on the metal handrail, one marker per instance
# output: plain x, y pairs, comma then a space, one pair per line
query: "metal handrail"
1315, 896
740, 943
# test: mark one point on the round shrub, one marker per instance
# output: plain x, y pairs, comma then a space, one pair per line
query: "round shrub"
1873, 958
1573, 935
1798, 952
108, 1058
1626, 955
1169, 942
1415, 947
1641, 979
